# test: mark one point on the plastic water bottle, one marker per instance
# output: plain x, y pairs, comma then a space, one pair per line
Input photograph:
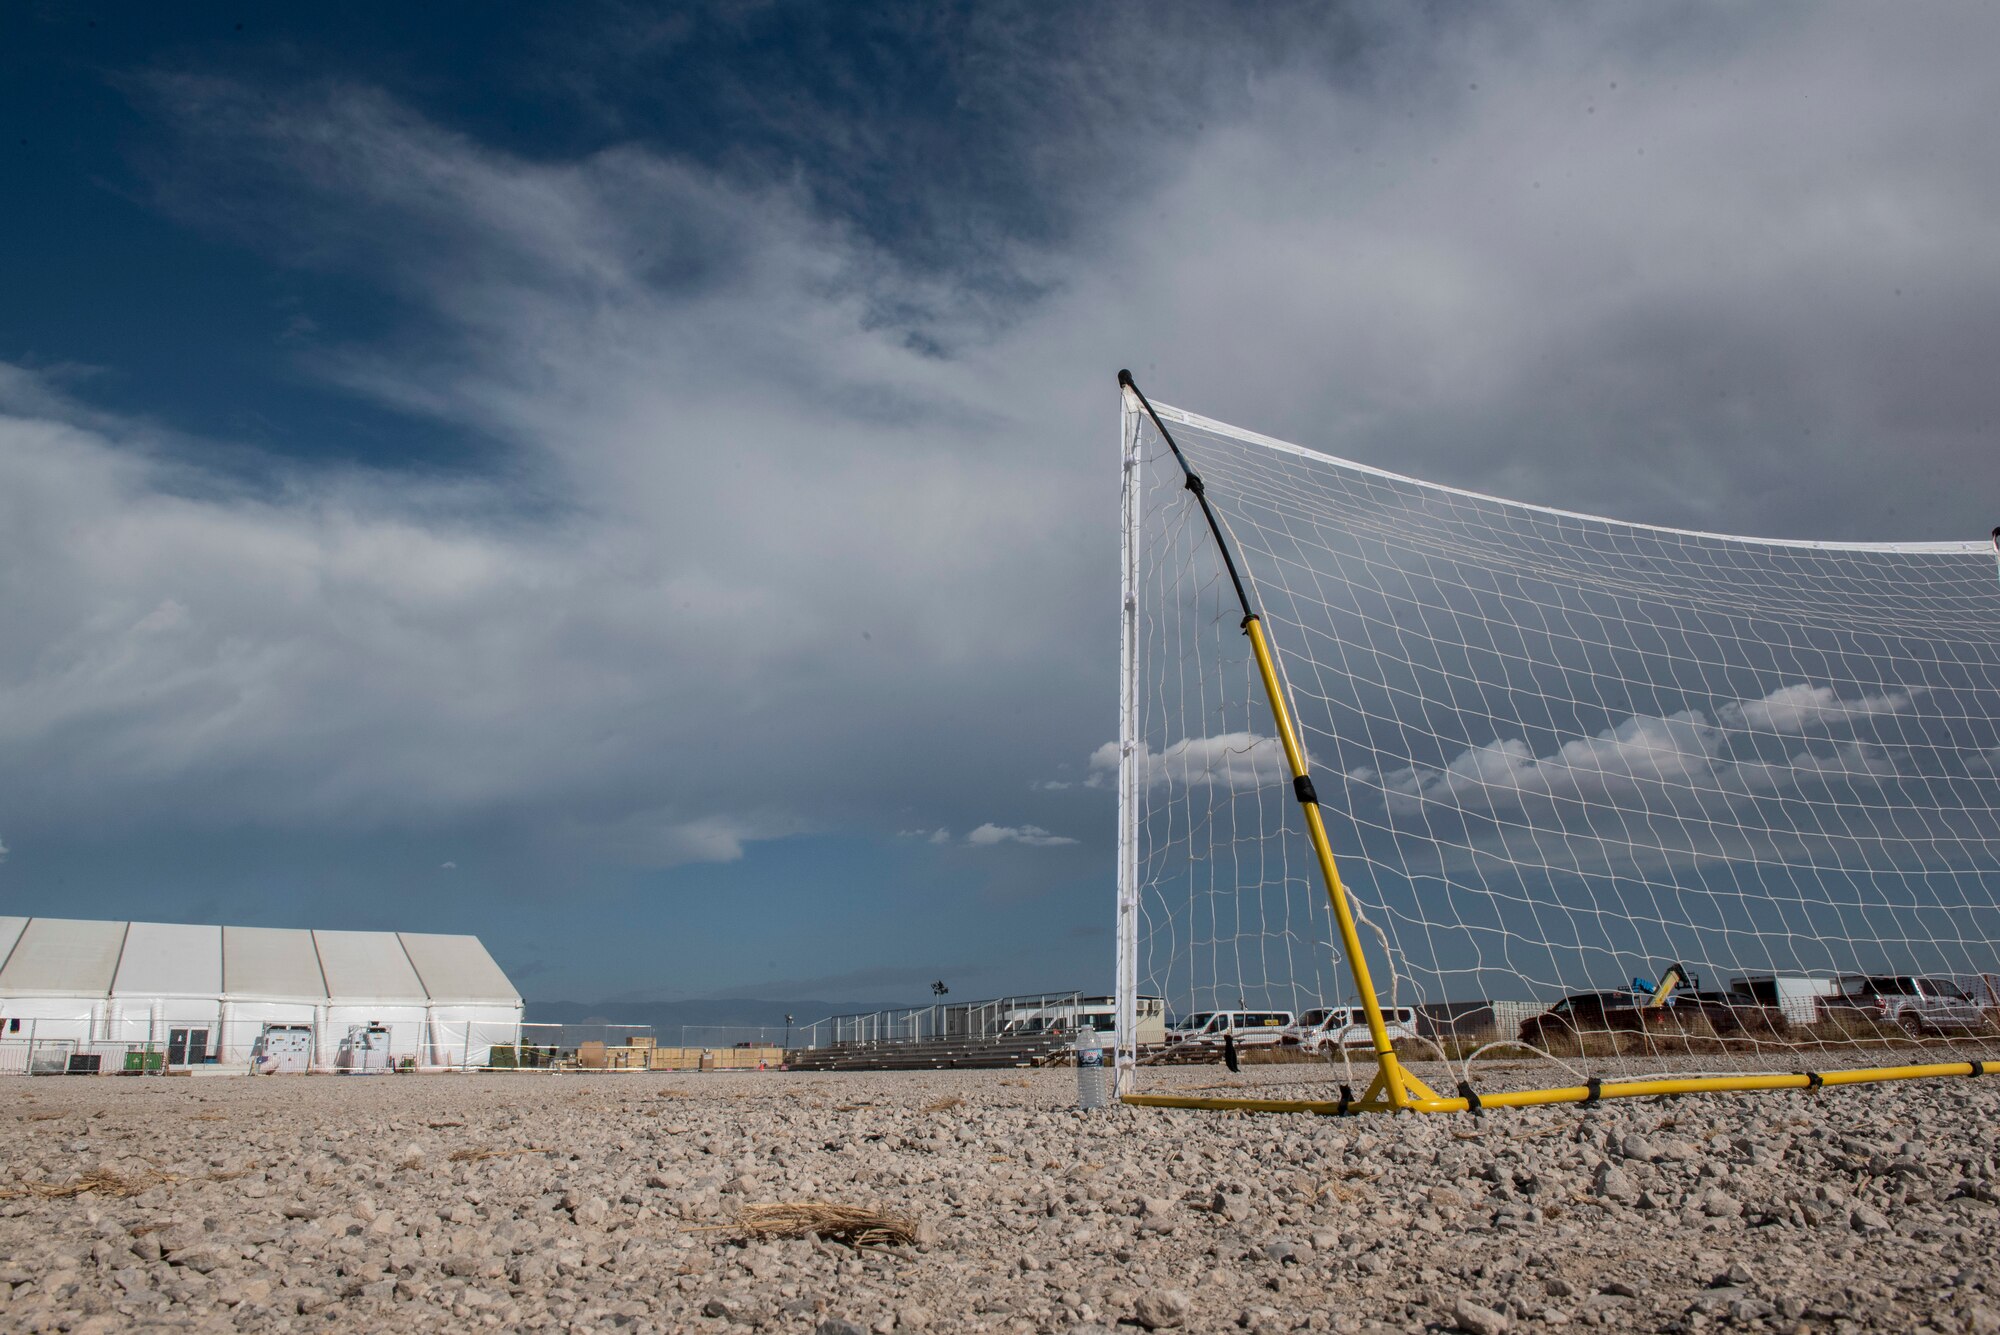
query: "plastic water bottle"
1092, 1088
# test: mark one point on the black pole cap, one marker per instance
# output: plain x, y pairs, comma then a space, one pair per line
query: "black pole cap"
1125, 380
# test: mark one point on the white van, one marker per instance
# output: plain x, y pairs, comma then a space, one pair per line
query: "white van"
1248, 1028
1347, 1027
1098, 1013
1307, 1022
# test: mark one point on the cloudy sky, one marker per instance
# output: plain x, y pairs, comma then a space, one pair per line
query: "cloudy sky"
643, 487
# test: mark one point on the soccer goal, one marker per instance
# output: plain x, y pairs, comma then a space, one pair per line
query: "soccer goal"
1476, 803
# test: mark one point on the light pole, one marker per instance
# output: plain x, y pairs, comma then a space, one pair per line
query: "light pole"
788, 1033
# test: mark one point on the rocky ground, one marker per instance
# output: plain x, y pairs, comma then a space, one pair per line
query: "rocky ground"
606, 1202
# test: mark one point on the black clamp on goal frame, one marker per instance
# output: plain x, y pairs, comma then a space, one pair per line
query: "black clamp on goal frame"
1471, 1097
1593, 1090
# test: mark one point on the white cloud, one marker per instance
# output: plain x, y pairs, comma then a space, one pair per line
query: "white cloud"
448, 866
3, 850
1239, 760
1678, 749
1794, 709
1032, 835
1682, 751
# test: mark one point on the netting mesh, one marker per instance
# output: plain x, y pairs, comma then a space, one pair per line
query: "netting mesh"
1558, 754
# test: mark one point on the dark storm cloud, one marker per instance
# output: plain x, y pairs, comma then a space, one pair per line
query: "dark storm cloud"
799, 507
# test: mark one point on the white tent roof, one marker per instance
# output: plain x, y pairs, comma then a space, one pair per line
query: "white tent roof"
457, 968
271, 962
170, 959
10, 932
368, 965
77, 958
63, 957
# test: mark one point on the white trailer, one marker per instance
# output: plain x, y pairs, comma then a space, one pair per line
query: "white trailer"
1799, 997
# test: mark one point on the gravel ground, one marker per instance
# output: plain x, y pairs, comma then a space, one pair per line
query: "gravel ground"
606, 1203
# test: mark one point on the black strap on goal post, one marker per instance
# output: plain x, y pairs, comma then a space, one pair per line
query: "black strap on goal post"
1194, 485
1394, 1087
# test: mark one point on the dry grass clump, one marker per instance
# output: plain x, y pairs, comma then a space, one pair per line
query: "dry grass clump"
103, 1181
858, 1226
1849, 1026
487, 1152
945, 1104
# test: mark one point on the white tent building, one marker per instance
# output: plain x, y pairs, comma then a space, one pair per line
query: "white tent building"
204, 994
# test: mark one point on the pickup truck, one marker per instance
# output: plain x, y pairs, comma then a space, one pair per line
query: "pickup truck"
1919, 1005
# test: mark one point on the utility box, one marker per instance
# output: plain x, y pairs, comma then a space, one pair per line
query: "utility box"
283, 1049
142, 1061
365, 1050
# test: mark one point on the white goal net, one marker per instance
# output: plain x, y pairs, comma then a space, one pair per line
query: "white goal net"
1558, 756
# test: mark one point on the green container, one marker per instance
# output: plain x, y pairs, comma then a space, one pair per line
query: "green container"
137, 1062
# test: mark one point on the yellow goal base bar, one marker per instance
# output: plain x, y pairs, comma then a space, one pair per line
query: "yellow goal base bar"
1417, 1097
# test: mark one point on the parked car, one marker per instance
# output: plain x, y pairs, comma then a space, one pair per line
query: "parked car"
1248, 1028
1919, 1005
1347, 1027
1593, 1012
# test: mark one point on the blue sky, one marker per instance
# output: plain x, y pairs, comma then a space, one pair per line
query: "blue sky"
625, 484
